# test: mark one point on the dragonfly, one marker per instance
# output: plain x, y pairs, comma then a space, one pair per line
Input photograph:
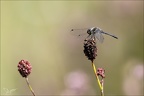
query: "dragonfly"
94, 33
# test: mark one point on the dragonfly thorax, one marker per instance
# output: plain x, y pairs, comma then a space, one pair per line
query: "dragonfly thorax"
92, 30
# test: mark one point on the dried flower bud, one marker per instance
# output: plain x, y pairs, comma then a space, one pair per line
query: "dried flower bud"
90, 49
24, 68
100, 72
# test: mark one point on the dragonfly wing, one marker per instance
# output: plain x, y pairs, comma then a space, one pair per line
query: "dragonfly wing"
78, 32
99, 36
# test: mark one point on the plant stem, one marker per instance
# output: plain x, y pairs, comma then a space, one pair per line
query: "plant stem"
30, 87
99, 83
102, 83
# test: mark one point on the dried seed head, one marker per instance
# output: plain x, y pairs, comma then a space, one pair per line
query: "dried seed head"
90, 49
100, 72
24, 68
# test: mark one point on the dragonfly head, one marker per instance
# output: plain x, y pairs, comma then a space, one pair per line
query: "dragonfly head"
89, 31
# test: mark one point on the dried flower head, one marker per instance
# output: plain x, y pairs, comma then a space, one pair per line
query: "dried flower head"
24, 68
90, 49
100, 72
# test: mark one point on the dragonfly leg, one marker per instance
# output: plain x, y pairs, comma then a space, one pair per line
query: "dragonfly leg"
94, 38
87, 37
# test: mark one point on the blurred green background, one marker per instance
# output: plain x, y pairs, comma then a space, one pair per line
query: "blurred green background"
39, 31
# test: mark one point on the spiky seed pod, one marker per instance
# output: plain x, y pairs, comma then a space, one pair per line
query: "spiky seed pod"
24, 68
100, 72
90, 49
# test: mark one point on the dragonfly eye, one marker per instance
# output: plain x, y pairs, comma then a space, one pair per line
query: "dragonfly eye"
89, 31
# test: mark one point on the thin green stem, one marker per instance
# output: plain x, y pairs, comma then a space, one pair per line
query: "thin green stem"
102, 83
98, 80
30, 87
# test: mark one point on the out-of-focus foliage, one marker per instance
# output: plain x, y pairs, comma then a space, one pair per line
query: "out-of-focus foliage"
39, 31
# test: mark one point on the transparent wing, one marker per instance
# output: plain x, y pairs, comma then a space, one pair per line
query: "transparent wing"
79, 32
99, 37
